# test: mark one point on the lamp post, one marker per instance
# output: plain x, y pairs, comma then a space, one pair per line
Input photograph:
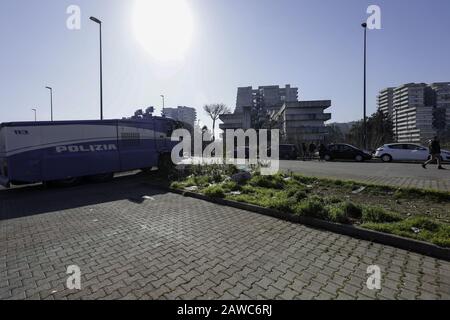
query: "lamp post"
396, 125
164, 104
101, 65
35, 116
51, 102
364, 25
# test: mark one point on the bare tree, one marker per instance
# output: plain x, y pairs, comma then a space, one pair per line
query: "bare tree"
215, 111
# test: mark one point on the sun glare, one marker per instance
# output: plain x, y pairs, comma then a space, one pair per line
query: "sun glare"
163, 27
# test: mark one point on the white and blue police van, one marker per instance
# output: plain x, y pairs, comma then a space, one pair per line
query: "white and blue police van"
66, 151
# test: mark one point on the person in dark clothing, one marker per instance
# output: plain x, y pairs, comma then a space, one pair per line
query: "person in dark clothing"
304, 150
322, 151
435, 153
312, 150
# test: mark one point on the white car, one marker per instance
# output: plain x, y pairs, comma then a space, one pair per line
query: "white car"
406, 152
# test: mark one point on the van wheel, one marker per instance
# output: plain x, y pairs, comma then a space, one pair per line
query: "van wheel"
327, 157
165, 164
386, 158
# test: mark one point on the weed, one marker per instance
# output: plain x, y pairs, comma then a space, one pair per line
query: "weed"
214, 192
378, 215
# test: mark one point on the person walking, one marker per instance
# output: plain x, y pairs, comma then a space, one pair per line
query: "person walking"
435, 153
322, 151
304, 150
312, 150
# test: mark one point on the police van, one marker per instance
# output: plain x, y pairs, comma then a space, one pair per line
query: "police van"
66, 151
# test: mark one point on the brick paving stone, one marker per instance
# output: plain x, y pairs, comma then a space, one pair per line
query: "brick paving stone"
181, 248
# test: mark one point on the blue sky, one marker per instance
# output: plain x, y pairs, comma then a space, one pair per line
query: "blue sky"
313, 44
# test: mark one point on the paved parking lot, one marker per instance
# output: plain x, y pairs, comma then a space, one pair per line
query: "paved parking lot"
409, 175
165, 246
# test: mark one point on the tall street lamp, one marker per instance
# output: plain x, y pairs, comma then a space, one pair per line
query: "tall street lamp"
35, 116
396, 125
364, 25
164, 104
51, 102
101, 66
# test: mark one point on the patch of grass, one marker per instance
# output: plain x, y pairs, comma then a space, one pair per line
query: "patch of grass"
214, 192
230, 186
177, 185
428, 230
352, 210
297, 195
378, 215
326, 199
338, 214
334, 200
304, 180
283, 204
270, 182
314, 207
432, 195
199, 181
343, 212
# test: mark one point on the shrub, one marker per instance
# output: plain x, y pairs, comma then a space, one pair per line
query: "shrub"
270, 182
352, 210
214, 192
176, 185
296, 195
230, 186
422, 223
338, 214
248, 190
283, 204
314, 207
199, 181
378, 215
334, 200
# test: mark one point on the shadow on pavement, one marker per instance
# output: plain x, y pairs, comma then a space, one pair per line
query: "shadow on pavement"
35, 200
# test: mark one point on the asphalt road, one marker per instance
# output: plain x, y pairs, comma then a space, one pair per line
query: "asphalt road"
395, 174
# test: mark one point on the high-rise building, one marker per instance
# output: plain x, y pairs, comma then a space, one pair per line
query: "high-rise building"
386, 101
274, 107
441, 98
183, 114
412, 108
303, 121
265, 97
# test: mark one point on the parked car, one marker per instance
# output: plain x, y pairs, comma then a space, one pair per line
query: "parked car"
406, 152
345, 152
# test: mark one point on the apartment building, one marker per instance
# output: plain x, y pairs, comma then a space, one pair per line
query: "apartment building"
386, 101
265, 97
183, 114
441, 97
412, 108
303, 121
275, 107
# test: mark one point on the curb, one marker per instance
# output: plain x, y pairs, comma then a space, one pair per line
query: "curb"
416, 246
